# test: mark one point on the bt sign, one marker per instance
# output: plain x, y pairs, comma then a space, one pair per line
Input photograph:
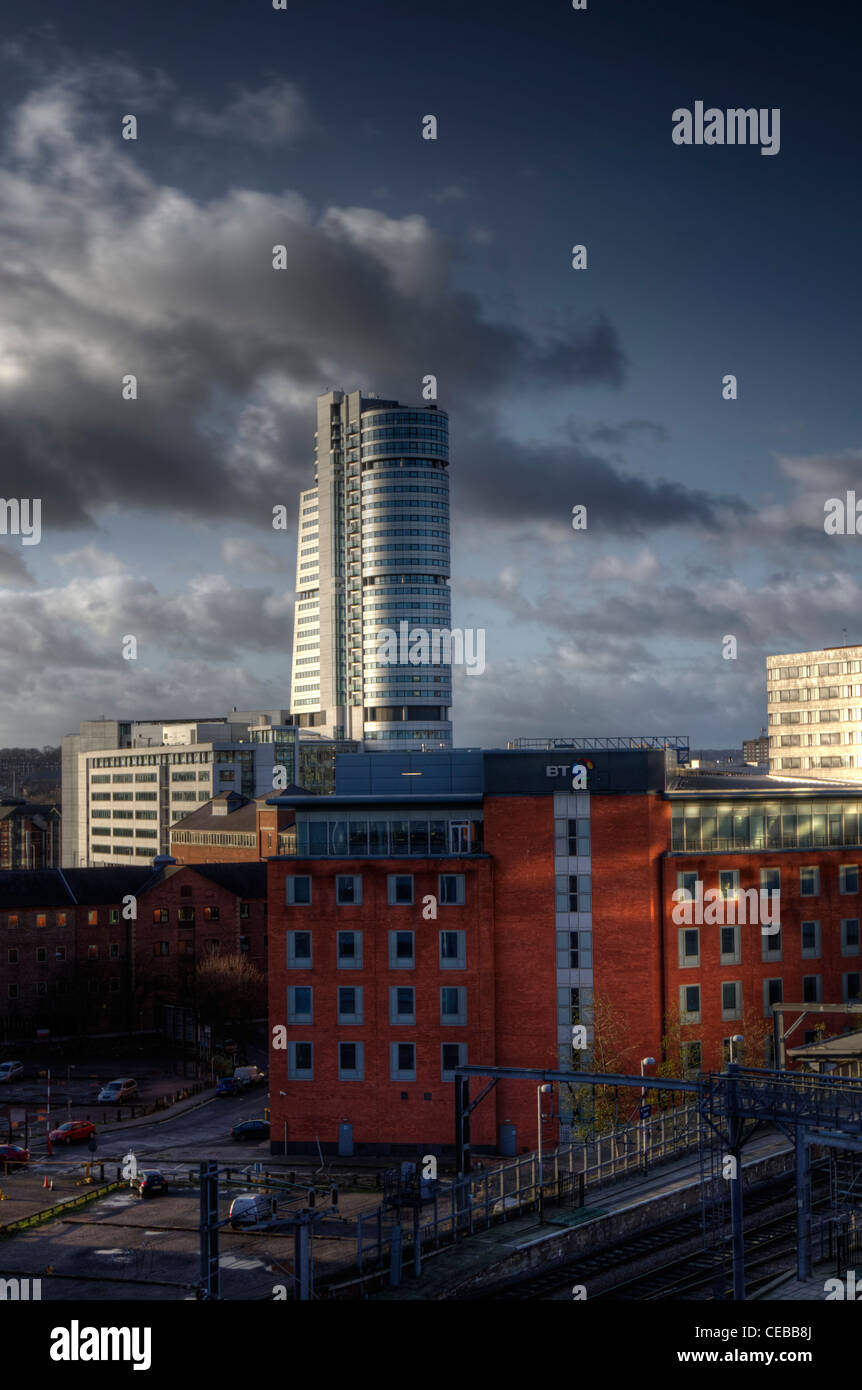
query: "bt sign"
578, 773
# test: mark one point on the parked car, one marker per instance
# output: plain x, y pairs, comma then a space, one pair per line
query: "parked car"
13, 1155
11, 1071
149, 1184
248, 1076
249, 1208
118, 1092
251, 1129
72, 1132
227, 1087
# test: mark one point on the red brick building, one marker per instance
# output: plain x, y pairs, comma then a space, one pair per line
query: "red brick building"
29, 834
233, 829
103, 950
554, 908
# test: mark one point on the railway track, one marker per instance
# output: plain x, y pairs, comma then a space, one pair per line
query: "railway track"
676, 1277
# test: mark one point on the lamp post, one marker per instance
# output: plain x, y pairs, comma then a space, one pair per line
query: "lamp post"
540, 1091
737, 1038
645, 1062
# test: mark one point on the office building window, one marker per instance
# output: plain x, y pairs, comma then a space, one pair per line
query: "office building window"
811, 989
728, 883
731, 999
572, 837
850, 936
770, 943
848, 878
729, 945
298, 890
451, 890
400, 889
299, 1004
299, 950
401, 954
300, 1061
453, 950
348, 890
452, 1055
688, 882
810, 934
453, 1005
350, 1004
402, 1061
689, 1003
351, 1061
773, 993
574, 893
689, 947
402, 1004
809, 883
349, 950
850, 987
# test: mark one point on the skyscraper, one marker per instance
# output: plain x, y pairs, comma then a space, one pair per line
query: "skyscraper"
373, 553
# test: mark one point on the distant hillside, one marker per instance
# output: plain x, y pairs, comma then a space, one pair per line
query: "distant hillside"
30, 772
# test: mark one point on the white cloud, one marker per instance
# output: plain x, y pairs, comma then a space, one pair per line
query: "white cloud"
273, 115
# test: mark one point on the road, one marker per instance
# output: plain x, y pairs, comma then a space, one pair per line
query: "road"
172, 1141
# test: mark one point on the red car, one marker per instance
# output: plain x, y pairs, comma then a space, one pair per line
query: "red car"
72, 1132
13, 1155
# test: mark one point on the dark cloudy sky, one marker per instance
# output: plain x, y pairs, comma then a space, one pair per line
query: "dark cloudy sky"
408, 257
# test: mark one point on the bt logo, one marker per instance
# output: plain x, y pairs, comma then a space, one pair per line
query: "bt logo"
578, 773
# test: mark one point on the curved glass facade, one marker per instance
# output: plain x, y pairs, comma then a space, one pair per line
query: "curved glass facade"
374, 557
405, 573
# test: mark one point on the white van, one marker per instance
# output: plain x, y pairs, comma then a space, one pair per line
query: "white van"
248, 1076
118, 1092
251, 1207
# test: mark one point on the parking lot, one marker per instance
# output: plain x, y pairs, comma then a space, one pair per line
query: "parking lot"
121, 1247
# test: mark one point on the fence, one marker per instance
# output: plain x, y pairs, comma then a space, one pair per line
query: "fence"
510, 1189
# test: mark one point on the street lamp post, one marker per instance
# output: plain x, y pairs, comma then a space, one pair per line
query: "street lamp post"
645, 1062
737, 1038
540, 1091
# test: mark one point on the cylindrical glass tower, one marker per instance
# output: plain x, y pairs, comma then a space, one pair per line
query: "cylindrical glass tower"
404, 458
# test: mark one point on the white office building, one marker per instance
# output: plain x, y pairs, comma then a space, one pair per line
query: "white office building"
126, 783
815, 714
373, 552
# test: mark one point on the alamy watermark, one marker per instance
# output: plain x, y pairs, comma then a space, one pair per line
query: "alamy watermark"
712, 908
21, 517
439, 646
735, 126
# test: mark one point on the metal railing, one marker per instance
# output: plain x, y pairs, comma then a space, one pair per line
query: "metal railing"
518, 1186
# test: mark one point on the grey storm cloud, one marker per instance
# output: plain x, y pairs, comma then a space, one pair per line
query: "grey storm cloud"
542, 480
106, 273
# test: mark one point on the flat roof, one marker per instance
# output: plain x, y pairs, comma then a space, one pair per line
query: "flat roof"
757, 785
378, 799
